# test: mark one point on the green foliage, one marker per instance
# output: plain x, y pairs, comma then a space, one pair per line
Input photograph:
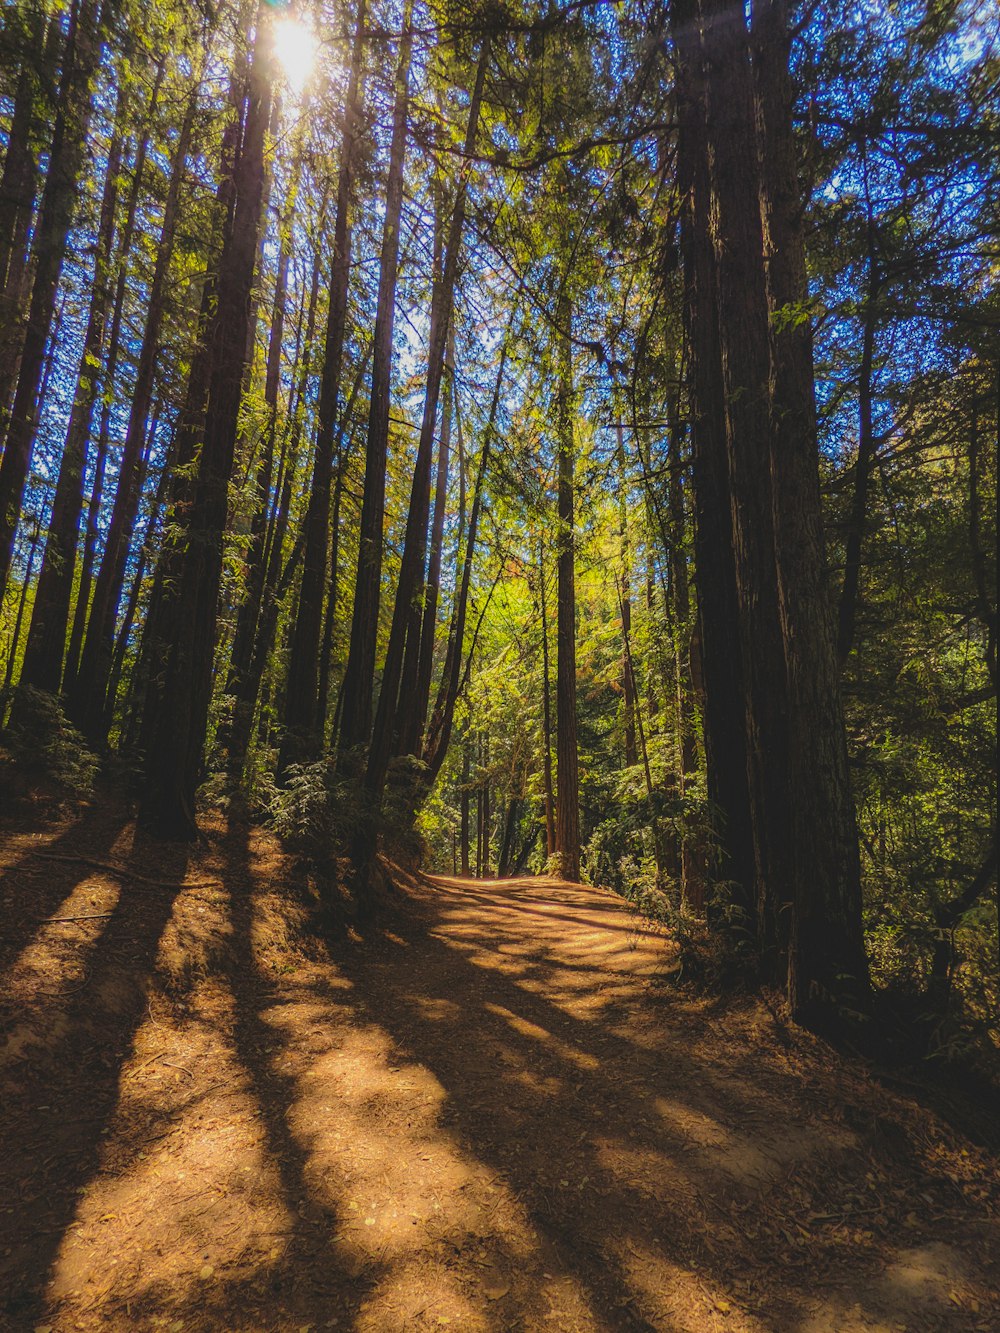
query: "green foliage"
41, 746
314, 812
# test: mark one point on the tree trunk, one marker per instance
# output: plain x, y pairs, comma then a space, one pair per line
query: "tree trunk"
567, 761
75, 702
245, 685
827, 967
862, 471
464, 807
22, 601
66, 158
397, 694
628, 680
46, 646
550, 823
18, 188
174, 759
413, 738
303, 732
691, 876
94, 705
443, 716
743, 316
359, 676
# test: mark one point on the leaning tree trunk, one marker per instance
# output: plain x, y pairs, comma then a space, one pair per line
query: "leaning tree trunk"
414, 735
66, 159
76, 703
398, 694
303, 732
91, 689
359, 675
443, 717
46, 646
18, 188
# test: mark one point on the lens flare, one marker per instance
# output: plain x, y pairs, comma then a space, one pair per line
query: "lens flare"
295, 49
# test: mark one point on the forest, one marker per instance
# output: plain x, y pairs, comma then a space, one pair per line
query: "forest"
493, 459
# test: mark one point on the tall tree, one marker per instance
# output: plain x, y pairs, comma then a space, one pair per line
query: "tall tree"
303, 730
567, 756
356, 709
181, 699
66, 158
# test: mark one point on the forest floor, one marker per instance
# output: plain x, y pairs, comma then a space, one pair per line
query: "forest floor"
493, 1113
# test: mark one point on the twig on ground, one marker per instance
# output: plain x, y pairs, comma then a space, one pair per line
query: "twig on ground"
182, 1068
123, 872
91, 916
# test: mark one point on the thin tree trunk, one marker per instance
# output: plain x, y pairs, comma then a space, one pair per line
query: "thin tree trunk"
984, 605
93, 703
46, 646
303, 729
249, 610
862, 472
509, 829
359, 675
18, 188
246, 686
414, 736
692, 880
397, 694
550, 823
75, 703
146, 548
443, 716
22, 600
628, 679
567, 760
464, 807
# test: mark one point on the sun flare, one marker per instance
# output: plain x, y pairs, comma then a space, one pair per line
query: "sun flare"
295, 49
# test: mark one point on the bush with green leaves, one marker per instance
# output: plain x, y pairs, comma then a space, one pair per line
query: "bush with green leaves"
42, 746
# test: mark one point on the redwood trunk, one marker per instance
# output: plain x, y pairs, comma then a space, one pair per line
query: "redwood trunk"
174, 759
66, 159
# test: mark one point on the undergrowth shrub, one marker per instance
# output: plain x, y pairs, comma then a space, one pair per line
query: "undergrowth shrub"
313, 812
319, 812
40, 745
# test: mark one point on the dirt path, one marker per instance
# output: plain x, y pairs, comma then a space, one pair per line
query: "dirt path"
491, 1115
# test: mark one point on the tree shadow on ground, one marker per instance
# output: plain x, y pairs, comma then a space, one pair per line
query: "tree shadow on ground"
639, 1165
60, 1098
32, 888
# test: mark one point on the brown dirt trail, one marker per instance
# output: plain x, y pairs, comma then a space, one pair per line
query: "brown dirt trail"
493, 1113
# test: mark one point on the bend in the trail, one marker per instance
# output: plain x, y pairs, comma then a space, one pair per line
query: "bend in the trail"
494, 1113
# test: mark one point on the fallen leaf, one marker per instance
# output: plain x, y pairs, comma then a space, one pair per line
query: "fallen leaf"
206, 1272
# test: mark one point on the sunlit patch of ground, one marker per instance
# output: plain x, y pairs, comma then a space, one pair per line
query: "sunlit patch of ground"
490, 1115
